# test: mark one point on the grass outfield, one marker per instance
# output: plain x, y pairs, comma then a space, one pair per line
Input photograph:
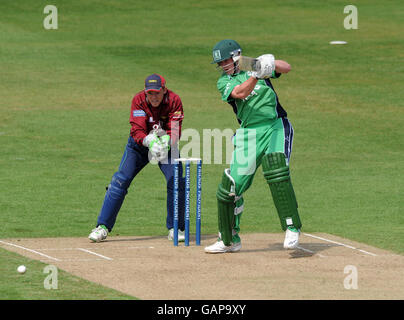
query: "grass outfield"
66, 93
31, 284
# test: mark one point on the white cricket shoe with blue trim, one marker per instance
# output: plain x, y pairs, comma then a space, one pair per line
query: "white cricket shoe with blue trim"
291, 238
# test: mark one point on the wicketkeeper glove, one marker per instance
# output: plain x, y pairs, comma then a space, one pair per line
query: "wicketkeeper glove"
158, 147
165, 141
150, 140
157, 151
267, 67
164, 144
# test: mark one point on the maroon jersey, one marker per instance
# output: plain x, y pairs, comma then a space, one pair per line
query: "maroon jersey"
168, 116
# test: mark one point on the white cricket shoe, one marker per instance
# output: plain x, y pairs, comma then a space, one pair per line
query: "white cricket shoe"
98, 234
291, 238
219, 247
181, 235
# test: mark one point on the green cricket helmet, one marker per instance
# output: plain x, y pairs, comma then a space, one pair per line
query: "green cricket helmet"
226, 49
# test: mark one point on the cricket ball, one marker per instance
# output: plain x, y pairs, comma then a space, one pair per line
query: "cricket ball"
21, 269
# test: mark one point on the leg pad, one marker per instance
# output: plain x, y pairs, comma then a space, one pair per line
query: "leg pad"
277, 175
226, 205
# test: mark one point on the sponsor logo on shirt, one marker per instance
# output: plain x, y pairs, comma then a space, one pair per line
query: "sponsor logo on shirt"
138, 113
177, 115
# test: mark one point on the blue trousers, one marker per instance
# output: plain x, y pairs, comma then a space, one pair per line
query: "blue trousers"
134, 159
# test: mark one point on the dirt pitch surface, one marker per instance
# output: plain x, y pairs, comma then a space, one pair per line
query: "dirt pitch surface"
323, 267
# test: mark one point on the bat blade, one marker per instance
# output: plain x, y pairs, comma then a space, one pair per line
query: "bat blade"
249, 64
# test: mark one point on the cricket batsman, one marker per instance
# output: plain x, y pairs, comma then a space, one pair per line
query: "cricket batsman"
265, 137
156, 118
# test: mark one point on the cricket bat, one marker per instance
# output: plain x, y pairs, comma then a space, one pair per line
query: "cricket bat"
249, 64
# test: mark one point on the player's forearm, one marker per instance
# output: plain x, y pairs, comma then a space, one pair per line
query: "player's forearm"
282, 66
243, 90
138, 130
138, 136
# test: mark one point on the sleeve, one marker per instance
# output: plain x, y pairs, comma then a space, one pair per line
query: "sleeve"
175, 117
138, 122
226, 86
275, 75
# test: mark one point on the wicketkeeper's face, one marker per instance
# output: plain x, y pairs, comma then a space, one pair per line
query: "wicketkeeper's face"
227, 66
155, 97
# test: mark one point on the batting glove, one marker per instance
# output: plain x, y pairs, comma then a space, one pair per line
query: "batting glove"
267, 67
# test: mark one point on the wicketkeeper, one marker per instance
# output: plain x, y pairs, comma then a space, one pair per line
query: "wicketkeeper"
265, 137
156, 119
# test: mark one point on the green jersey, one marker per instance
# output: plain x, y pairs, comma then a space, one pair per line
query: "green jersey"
260, 108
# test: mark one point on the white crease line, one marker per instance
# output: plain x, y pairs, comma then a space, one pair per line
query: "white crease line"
340, 244
96, 254
30, 250
82, 260
367, 252
309, 251
70, 249
55, 249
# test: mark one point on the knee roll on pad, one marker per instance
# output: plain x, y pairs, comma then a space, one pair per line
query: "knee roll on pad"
226, 204
222, 195
119, 186
277, 175
120, 181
